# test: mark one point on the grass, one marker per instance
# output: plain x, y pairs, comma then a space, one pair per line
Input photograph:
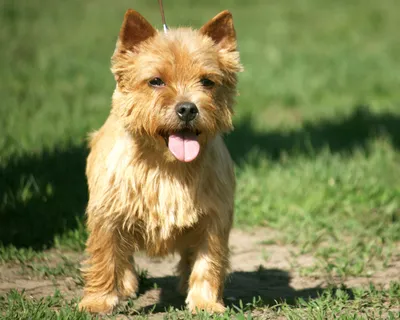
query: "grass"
316, 143
17, 305
346, 304
345, 191
46, 268
343, 303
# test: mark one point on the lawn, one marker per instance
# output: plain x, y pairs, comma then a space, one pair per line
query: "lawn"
316, 146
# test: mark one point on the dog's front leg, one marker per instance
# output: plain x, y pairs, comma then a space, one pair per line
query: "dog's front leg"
206, 282
109, 272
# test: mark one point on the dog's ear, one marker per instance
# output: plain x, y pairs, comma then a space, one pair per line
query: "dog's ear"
221, 30
134, 30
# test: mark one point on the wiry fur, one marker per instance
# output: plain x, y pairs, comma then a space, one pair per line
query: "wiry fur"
141, 197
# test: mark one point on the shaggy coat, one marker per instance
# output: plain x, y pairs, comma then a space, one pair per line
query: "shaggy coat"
141, 197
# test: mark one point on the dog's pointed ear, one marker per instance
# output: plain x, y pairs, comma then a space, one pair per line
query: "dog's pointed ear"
134, 30
221, 30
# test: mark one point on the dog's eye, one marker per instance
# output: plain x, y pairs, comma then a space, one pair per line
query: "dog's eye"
156, 82
207, 83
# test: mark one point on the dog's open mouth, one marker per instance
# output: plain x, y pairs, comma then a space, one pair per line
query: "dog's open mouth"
183, 144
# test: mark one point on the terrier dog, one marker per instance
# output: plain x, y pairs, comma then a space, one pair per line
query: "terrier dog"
160, 176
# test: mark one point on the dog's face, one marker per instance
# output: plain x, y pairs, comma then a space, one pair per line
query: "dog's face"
176, 89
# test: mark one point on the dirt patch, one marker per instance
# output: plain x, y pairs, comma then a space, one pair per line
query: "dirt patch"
259, 268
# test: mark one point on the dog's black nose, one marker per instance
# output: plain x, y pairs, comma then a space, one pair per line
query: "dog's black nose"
186, 111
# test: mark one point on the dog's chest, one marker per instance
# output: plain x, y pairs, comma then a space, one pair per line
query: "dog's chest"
168, 201
165, 199
164, 202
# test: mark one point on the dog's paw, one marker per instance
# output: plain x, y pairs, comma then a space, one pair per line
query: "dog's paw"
209, 307
195, 305
129, 285
96, 303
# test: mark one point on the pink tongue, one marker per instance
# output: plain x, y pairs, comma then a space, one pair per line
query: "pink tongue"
184, 146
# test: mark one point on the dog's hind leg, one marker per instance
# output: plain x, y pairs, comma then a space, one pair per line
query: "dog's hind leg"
128, 282
184, 269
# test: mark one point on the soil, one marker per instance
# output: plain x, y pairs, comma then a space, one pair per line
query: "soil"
258, 269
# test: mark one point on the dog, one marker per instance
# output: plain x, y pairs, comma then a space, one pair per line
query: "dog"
160, 177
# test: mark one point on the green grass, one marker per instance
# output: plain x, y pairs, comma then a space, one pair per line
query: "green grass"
369, 303
46, 268
17, 305
340, 206
316, 143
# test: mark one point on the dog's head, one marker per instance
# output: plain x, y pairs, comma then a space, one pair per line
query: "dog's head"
176, 89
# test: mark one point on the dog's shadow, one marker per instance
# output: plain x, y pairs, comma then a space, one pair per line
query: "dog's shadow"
271, 285
42, 195
341, 134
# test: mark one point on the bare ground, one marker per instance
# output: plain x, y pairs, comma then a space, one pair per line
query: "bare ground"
258, 269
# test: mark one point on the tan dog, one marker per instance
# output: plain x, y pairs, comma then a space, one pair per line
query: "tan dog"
160, 177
